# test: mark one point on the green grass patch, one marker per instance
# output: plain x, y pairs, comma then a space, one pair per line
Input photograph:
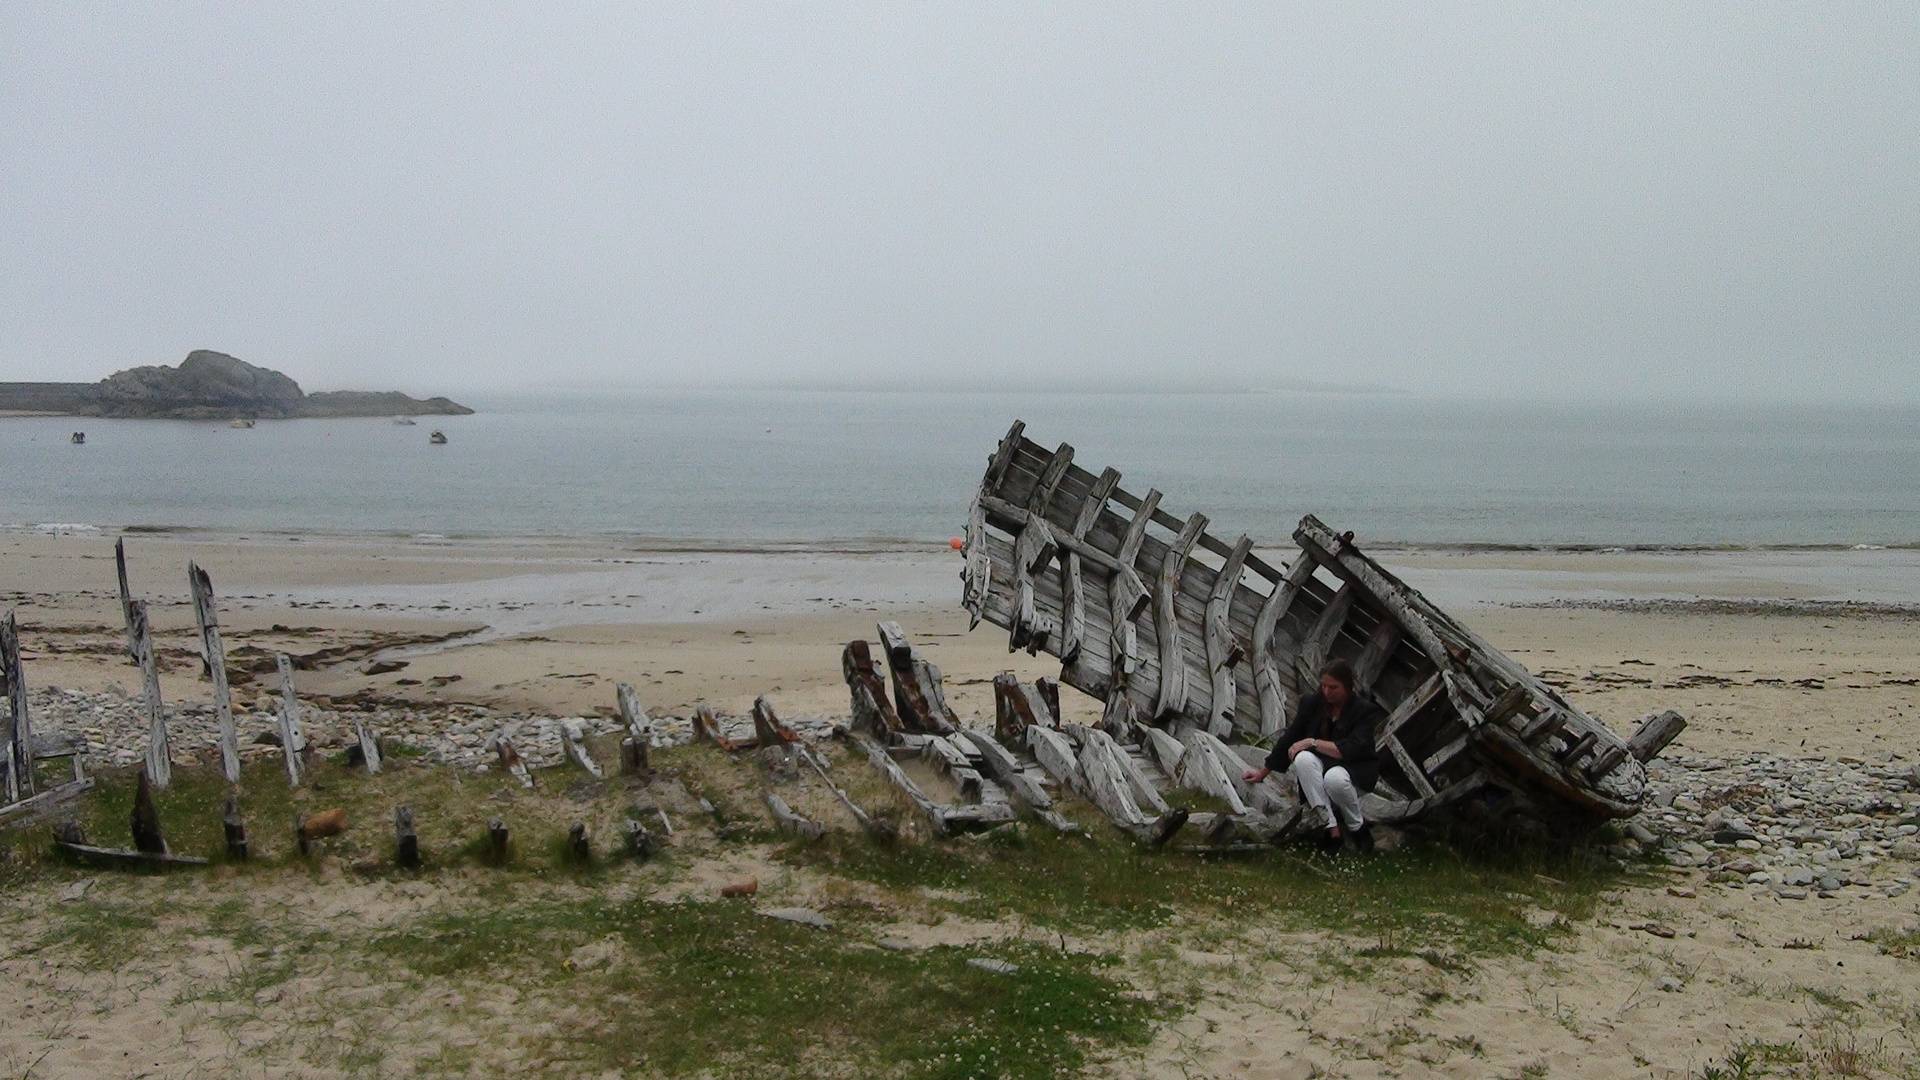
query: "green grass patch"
715, 987
100, 935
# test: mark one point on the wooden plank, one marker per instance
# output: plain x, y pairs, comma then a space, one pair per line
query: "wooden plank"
877, 827
406, 842
1318, 646
1172, 697
1122, 765
979, 567
159, 759
1606, 761
1005, 770
293, 741
791, 822
369, 747
872, 710
46, 800
1073, 587
213, 657
573, 743
1033, 549
1107, 789
1373, 659
1266, 665
1439, 758
1408, 708
1336, 551
1164, 748
1127, 595
1223, 652
16, 756
1056, 755
1580, 746
1654, 733
1407, 767
1204, 771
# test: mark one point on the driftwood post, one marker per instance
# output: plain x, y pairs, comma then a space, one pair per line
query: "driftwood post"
497, 840
369, 748
146, 821
510, 760
873, 712
406, 842
159, 762
214, 656
572, 742
633, 748
18, 760
292, 741
235, 828
580, 842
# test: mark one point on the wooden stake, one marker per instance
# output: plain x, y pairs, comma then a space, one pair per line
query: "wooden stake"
146, 821
497, 840
293, 742
767, 728
406, 843
633, 749
17, 759
159, 763
641, 844
369, 748
236, 830
580, 843
572, 741
214, 657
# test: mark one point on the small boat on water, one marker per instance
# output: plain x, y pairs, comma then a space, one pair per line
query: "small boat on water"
241, 423
79, 438
438, 438
404, 421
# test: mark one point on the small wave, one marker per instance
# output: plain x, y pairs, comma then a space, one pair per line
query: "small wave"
59, 527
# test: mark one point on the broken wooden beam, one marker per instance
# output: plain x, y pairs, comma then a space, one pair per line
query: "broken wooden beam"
1267, 679
52, 797
639, 738
497, 836
580, 843
147, 836
369, 746
16, 756
1172, 698
68, 837
1223, 651
872, 710
1006, 771
790, 822
406, 842
213, 658
573, 743
918, 699
293, 741
767, 728
1654, 733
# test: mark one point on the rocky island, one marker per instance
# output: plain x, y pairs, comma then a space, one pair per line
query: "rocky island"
210, 385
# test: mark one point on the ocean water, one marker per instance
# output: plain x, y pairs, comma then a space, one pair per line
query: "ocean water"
815, 466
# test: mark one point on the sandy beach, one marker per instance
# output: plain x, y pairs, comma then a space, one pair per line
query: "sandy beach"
1672, 972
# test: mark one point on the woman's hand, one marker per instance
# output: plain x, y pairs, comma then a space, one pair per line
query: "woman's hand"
1294, 750
1254, 776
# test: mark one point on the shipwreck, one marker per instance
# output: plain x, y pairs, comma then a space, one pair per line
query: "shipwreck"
1199, 649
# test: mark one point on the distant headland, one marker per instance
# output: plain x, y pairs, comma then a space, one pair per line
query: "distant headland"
210, 385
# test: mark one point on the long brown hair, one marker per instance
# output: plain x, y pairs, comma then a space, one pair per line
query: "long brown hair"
1340, 671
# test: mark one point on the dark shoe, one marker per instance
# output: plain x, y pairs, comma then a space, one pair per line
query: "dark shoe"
1362, 838
1331, 844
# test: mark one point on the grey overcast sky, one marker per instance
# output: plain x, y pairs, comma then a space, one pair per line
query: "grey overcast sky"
1563, 200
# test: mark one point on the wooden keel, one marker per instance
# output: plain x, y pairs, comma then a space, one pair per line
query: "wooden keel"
213, 657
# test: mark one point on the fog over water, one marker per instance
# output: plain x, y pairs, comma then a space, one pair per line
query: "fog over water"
1480, 201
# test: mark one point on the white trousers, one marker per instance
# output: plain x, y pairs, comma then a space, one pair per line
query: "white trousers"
1321, 786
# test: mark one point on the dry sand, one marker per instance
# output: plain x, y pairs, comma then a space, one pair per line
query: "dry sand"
553, 625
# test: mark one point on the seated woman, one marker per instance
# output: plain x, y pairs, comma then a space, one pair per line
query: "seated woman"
1329, 747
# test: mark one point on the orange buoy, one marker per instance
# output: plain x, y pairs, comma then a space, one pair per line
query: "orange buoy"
956, 543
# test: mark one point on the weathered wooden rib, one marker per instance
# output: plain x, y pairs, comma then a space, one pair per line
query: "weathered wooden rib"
1462, 716
214, 658
634, 747
16, 757
791, 822
369, 747
573, 743
1223, 651
1006, 770
872, 712
918, 699
293, 742
944, 817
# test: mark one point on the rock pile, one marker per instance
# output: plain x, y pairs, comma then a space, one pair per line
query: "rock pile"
1791, 826
114, 728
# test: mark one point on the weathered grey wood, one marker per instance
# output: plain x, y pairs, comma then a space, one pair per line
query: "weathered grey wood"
1033, 549
1338, 554
1223, 652
1016, 707
937, 814
1127, 595
791, 822
1002, 766
580, 842
369, 748
510, 759
1106, 788
16, 756
1373, 659
872, 710
1407, 765
34, 805
1143, 793
159, 759
877, 827
979, 571
1571, 755
1266, 664
235, 828
1318, 645
1409, 707
917, 695
1509, 704
145, 820
1206, 771
293, 741
125, 855
497, 836
1172, 698
213, 657
1439, 758
767, 728
573, 743
1165, 750
706, 728
1073, 587
635, 747
406, 842
1549, 723
1654, 733
1056, 755
641, 843
1605, 761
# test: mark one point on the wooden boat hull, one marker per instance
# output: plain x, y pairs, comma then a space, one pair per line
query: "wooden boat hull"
1175, 628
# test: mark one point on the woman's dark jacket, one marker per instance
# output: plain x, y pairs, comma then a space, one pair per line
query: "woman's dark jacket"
1352, 733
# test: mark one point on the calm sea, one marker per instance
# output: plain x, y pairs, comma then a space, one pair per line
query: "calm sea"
793, 465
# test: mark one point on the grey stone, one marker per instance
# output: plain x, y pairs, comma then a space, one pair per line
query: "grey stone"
998, 967
803, 916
